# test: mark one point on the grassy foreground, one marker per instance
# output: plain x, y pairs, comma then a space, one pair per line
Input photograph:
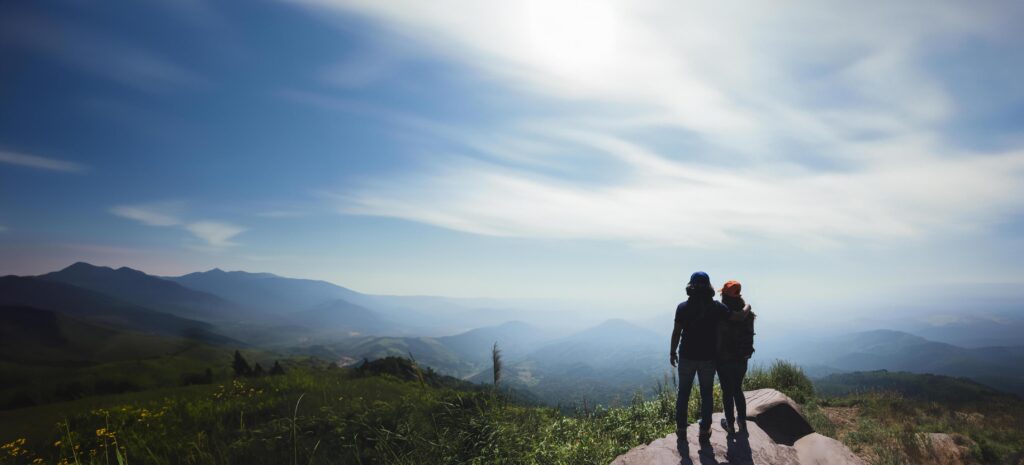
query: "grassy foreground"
391, 412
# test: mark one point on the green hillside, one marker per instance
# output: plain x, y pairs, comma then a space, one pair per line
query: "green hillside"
389, 412
47, 356
884, 416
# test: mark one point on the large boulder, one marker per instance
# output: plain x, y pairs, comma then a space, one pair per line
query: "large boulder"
777, 434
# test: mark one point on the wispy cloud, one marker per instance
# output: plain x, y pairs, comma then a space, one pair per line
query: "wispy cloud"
96, 53
43, 163
843, 137
215, 234
148, 215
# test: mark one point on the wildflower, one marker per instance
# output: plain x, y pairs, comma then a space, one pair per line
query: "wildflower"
56, 443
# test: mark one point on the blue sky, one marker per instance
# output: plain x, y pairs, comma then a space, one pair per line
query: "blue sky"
827, 154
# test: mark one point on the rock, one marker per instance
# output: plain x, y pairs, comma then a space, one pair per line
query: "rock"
777, 434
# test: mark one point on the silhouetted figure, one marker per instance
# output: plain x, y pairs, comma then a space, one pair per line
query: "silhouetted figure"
696, 325
735, 346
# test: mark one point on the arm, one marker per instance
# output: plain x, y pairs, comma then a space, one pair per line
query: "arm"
676, 332
740, 315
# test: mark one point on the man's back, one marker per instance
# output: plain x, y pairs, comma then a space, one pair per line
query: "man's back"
699, 319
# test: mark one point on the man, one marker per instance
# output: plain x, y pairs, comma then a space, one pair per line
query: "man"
696, 323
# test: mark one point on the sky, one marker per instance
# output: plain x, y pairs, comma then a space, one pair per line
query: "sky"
843, 157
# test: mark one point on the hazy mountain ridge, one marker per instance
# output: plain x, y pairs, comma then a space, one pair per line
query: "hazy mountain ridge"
266, 292
101, 309
1000, 367
136, 287
601, 362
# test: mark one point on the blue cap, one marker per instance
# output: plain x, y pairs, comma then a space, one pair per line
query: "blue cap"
700, 278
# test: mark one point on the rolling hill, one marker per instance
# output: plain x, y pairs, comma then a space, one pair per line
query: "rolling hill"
34, 336
48, 356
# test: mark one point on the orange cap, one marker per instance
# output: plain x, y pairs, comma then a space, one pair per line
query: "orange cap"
731, 288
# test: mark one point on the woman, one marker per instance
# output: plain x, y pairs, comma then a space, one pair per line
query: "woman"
735, 346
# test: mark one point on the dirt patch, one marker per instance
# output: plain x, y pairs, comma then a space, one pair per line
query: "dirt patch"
845, 418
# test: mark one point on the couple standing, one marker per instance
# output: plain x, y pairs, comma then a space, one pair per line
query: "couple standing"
716, 336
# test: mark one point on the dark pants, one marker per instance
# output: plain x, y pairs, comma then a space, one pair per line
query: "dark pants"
705, 371
730, 375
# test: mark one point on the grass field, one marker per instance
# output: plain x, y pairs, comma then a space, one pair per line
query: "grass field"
392, 412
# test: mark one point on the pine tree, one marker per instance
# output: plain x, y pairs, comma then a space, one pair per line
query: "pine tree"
258, 371
276, 369
241, 366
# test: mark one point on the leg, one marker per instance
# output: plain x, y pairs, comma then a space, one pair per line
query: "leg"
741, 400
706, 378
726, 378
687, 368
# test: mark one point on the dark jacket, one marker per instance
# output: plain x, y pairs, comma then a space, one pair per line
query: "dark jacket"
735, 338
699, 317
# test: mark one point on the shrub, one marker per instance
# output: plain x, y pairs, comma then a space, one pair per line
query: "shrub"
783, 376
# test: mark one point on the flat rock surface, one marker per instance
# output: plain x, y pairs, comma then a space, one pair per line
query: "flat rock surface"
756, 447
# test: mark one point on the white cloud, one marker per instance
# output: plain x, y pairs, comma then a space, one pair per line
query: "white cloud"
148, 215
813, 122
215, 234
34, 161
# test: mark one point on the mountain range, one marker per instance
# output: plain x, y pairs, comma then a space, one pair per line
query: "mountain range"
601, 362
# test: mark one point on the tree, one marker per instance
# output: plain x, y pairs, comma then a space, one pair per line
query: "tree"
241, 366
496, 359
276, 369
258, 371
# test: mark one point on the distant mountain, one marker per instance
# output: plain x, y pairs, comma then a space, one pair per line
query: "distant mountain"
929, 387
970, 330
100, 309
609, 343
264, 291
141, 289
605, 363
514, 338
278, 295
1000, 367
342, 316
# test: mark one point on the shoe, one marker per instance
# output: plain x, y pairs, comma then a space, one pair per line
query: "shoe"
728, 427
743, 428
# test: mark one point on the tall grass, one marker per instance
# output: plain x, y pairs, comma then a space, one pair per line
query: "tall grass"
394, 413
783, 376
340, 416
